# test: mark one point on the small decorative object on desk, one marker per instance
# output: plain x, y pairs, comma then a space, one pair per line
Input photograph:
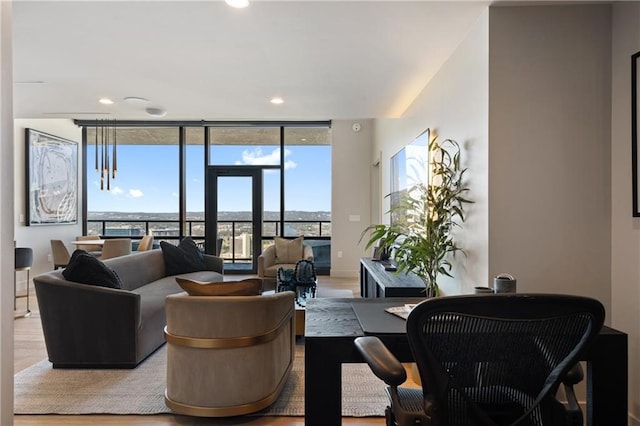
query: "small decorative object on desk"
504, 283
401, 311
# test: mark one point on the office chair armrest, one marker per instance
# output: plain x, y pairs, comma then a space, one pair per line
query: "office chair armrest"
573, 377
381, 361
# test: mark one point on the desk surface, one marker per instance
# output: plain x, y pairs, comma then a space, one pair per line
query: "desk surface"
331, 325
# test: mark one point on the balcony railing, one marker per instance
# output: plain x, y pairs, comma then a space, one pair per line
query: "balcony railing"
236, 234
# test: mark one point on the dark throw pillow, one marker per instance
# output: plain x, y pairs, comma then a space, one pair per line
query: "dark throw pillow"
184, 258
87, 269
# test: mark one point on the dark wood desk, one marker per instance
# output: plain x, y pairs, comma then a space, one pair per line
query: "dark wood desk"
332, 325
375, 281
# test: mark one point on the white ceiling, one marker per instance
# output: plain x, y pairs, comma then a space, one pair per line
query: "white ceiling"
205, 60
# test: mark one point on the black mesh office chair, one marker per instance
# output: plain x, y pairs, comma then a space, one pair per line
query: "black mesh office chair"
488, 359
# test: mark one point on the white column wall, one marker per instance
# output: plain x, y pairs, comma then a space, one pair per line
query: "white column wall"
549, 149
351, 169
625, 229
6, 216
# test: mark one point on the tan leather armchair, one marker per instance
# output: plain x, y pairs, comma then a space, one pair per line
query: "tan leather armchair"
228, 355
268, 265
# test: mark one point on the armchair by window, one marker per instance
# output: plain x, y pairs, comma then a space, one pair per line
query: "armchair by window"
489, 360
285, 253
228, 355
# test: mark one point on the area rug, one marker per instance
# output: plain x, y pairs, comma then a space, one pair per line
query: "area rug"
42, 390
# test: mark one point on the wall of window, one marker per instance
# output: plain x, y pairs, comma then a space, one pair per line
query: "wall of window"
147, 195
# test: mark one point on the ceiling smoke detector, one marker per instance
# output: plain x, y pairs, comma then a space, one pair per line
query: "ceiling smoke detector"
156, 112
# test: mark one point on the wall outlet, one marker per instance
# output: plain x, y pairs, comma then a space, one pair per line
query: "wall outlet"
21, 218
50, 257
339, 255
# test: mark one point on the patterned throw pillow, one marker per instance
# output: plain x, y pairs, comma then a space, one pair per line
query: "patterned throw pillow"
182, 259
288, 251
87, 269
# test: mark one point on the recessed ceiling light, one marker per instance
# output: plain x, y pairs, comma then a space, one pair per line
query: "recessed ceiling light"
136, 100
277, 101
105, 101
156, 112
238, 4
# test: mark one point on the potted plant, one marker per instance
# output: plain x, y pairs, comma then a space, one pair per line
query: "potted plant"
422, 240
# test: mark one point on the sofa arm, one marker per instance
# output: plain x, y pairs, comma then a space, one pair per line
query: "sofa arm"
214, 263
266, 259
86, 325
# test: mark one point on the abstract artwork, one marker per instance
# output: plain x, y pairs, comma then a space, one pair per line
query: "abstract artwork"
52, 179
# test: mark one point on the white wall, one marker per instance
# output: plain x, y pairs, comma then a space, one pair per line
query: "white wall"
39, 237
549, 150
454, 105
625, 230
6, 216
351, 170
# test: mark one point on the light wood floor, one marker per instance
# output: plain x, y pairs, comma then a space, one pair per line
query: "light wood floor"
30, 349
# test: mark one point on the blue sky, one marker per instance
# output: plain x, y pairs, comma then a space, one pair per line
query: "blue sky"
147, 178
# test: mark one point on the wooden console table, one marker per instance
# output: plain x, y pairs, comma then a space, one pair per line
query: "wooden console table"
375, 281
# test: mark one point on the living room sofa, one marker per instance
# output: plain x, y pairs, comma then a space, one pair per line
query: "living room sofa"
90, 326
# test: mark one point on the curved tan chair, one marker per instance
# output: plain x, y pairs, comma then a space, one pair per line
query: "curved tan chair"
116, 247
60, 254
146, 243
268, 265
227, 355
94, 249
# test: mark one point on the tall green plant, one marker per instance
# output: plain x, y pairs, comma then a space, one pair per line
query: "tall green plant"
422, 241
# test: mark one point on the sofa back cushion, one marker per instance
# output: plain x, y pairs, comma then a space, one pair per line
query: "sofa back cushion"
138, 269
184, 258
288, 251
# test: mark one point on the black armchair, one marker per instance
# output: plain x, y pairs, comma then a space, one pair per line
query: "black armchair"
489, 360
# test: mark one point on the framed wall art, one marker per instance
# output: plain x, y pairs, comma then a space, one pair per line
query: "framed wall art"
635, 122
51, 179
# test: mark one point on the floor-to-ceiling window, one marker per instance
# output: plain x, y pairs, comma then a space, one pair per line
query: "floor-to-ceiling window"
307, 189
142, 198
160, 184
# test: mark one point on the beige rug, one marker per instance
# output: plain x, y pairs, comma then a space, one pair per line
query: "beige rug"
42, 390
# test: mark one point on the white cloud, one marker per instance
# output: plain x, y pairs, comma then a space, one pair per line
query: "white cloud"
256, 157
135, 193
116, 190
174, 194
